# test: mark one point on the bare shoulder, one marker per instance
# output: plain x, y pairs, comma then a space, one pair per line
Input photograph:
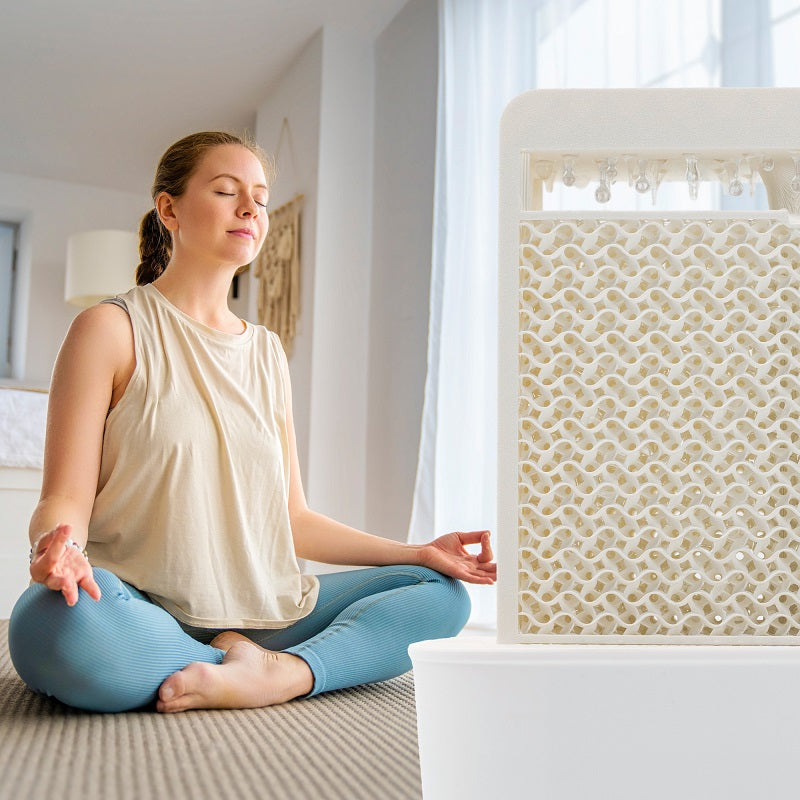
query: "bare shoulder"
105, 318
93, 367
100, 343
104, 326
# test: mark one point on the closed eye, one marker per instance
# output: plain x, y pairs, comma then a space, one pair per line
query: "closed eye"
233, 194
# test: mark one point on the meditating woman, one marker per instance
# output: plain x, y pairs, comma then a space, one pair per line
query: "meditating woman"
165, 543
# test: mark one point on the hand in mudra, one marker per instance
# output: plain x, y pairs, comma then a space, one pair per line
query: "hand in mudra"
448, 555
62, 567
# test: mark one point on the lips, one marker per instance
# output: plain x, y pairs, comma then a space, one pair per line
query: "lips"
246, 233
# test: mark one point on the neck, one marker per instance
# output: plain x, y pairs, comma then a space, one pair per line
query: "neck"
203, 295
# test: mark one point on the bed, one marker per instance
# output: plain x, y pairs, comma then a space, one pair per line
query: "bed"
23, 414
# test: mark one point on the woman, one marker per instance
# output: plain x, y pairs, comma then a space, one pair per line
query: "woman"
165, 544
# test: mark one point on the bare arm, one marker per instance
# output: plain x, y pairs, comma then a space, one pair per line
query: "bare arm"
92, 369
320, 538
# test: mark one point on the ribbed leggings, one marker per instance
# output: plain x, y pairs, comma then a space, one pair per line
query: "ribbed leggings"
112, 655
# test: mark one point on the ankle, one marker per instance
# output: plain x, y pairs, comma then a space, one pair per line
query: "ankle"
302, 676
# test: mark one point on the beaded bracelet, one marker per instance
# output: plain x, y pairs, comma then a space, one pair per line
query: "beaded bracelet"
68, 543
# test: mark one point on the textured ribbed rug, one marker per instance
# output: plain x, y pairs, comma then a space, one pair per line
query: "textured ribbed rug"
350, 744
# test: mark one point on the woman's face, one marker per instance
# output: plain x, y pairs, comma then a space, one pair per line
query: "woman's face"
221, 217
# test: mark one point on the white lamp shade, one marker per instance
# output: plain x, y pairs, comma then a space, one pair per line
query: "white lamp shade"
100, 264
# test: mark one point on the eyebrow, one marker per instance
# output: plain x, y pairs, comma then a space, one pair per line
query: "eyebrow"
234, 178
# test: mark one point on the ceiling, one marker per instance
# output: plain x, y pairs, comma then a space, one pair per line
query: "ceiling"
93, 91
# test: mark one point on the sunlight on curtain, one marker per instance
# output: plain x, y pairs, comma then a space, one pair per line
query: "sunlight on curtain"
785, 41
479, 73
490, 51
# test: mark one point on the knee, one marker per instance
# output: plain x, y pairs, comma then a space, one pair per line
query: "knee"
460, 605
41, 624
453, 602
52, 644
42, 618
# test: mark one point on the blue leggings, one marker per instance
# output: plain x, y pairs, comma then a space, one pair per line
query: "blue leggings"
112, 655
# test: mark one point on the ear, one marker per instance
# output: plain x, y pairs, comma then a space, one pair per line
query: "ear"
165, 208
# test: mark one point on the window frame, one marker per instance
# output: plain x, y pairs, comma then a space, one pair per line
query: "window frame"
8, 316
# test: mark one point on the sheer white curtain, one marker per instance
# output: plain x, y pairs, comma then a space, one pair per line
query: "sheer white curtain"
490, 51
478, 75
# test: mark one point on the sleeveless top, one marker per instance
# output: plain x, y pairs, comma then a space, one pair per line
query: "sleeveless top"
192, 498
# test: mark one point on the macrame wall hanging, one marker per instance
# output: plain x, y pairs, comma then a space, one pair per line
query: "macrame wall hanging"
277, 269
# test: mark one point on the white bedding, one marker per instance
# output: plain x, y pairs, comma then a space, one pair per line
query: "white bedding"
23, 415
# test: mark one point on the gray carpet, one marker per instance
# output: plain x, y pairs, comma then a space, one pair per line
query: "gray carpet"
351, 744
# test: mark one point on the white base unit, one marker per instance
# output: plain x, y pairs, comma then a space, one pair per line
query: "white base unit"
19, 494
606, 722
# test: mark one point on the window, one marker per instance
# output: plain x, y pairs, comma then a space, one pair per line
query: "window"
8, 258
785, 33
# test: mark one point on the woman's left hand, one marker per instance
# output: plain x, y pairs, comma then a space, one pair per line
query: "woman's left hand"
448, 555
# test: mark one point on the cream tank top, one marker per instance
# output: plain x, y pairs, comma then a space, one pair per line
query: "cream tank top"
192, 499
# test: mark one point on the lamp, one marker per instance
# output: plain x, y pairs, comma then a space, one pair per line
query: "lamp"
100, 264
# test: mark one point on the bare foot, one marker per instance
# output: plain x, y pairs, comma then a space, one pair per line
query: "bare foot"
224, 640
248, 677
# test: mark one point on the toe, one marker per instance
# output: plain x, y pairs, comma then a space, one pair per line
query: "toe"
171, 688
224, 641
173, 706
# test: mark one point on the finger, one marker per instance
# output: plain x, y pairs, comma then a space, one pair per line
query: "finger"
41, 545
60, 532
488, 569
471, 537
482, 573
58, 544
486, 554
89, 585
478, 579
479, 573
49, 553
70, 592
67, 587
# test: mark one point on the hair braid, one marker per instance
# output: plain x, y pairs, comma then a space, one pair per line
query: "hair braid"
155, 248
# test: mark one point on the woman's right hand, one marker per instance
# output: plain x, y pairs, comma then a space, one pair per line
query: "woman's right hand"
61, 566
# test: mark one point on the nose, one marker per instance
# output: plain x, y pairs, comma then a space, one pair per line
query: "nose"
248, 207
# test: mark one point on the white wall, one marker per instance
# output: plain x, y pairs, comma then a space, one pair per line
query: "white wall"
406, 55
362, 119
49, 212
327, 96
337, 463
296, 98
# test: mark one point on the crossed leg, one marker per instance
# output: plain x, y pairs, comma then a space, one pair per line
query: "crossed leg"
358, 632
125, 652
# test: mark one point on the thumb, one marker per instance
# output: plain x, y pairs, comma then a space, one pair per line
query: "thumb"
485, 555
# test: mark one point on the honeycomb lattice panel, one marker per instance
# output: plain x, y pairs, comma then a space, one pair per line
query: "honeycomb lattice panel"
658, 429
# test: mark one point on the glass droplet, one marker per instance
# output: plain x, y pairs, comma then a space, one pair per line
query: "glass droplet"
602, 194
